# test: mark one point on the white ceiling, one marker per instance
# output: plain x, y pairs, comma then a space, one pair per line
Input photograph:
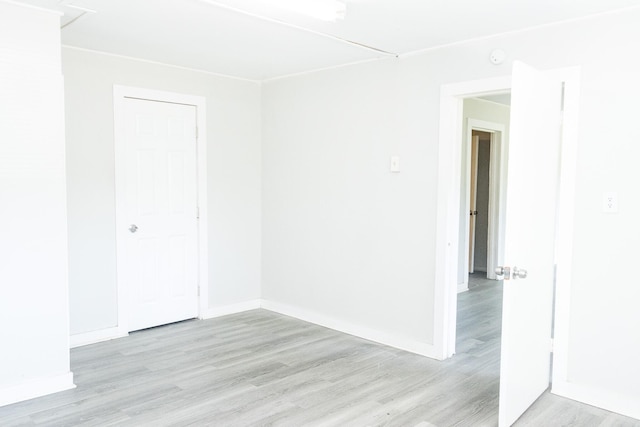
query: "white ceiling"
210, 35
500, 98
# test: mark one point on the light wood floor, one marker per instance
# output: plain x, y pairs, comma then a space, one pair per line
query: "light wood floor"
262, 369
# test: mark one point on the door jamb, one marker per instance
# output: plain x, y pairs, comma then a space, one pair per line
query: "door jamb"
473, 148
119, 95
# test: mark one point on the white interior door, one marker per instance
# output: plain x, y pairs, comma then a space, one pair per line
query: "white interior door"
533, 174
161, 213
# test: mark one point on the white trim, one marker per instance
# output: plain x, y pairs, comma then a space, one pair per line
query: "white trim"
163, 64
622, 404
380, 337
471, 172
230, 309
32, 388
327, 68
463, 287
86, 338
497, 202
507, 34
203, 210
30, 6
119, 94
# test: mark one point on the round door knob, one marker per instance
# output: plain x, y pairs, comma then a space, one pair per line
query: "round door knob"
519, 273
503, 271
133, 228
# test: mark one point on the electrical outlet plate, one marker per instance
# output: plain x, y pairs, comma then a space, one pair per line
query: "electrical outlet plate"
610, 202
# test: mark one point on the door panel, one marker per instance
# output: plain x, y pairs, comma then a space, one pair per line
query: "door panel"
533, 172
160, 187
176, 178
178, 250
146, 279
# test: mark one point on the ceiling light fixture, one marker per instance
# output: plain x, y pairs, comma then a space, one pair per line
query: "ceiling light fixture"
263, 17
324, 10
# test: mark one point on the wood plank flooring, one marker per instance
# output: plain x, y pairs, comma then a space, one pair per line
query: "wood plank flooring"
259, 368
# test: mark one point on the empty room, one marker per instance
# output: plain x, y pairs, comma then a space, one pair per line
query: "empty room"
319, 212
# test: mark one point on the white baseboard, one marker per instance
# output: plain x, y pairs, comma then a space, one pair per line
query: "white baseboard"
93, 337
622, 404
107, 334
385, 338
33, 388
463, 287
230, 309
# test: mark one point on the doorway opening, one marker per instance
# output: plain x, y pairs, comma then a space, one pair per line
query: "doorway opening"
484, 136
482, 186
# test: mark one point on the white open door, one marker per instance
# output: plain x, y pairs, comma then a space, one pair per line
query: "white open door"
159, 226
533, 174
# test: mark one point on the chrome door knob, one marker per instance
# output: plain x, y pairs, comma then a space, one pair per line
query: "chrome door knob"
519, 273
504, 271
133, 228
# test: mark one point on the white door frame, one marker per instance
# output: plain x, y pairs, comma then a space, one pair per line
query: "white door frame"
120, 93
497, 193
471, 193
448, 210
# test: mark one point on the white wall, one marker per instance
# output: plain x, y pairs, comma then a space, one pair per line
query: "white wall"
345, 239
477, 109
234, 191
34, 335
342, 236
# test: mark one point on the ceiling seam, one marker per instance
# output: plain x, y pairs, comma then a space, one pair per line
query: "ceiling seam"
331, 67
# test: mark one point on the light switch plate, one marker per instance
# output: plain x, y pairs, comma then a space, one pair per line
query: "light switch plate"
395, 164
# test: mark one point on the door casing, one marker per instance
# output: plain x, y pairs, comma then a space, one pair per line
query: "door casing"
120, 93
472, 189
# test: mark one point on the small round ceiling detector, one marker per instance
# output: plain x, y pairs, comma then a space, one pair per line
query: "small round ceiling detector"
497, 56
